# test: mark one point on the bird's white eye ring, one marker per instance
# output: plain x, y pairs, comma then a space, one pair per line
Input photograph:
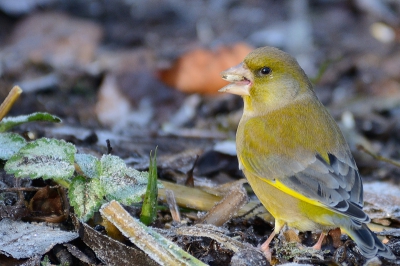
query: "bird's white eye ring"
265, 71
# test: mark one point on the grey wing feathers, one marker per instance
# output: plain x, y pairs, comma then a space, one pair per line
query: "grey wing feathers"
336, 184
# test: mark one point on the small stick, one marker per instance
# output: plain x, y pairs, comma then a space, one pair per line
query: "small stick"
173, 207
378, 157
9, 101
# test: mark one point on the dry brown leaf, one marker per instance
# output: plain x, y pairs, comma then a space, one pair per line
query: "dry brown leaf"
110, 251
112, 104
199, 71
336, 235
46, 201
54, 38
291, 236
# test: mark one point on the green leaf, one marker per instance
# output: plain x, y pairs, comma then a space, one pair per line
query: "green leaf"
89, 165
10, 143
120, 183
149, 209
46, 261
46, 158
10, 122
86, 196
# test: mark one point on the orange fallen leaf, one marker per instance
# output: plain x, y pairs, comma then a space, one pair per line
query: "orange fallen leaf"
291, 236
198, 71
336, 235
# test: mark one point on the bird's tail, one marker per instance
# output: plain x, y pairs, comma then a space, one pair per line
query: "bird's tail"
368, 243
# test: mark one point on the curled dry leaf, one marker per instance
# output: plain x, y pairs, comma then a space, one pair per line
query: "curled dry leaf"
198, 71
48, 204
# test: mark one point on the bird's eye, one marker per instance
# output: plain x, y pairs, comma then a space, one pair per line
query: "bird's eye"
265, 71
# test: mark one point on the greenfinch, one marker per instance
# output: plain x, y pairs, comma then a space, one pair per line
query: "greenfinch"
293, 154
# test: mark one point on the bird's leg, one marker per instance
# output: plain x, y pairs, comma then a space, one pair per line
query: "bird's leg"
318, 245
265, 246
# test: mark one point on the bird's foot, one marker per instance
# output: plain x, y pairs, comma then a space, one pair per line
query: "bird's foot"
318, 245
267, 252
265, 247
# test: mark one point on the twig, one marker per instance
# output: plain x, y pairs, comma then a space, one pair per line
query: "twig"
207, 230
378, 157
16, 189
109, 148
9, 101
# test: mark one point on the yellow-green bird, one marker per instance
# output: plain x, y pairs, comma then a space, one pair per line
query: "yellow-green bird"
293, 153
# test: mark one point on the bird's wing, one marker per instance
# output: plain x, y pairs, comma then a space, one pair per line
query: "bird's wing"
336, 184
318, 169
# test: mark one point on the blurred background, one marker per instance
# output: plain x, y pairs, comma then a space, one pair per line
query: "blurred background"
146, 73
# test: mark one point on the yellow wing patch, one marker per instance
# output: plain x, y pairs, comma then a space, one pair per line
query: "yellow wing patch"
299, 196
293, 193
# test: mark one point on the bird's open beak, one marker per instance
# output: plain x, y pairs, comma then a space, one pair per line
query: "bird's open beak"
241, 80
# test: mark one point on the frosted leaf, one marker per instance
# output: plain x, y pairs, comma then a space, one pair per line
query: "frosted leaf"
126, 192
89, 165
10, 122
118, 183
46, 158
10, 143
25, 240
112, 165
141, 177
86, 196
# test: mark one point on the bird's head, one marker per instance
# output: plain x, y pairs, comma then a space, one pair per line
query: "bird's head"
268, 78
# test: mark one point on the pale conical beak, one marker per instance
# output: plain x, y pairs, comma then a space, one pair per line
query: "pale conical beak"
241, 80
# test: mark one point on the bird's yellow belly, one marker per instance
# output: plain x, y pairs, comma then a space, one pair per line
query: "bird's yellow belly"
289, 210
